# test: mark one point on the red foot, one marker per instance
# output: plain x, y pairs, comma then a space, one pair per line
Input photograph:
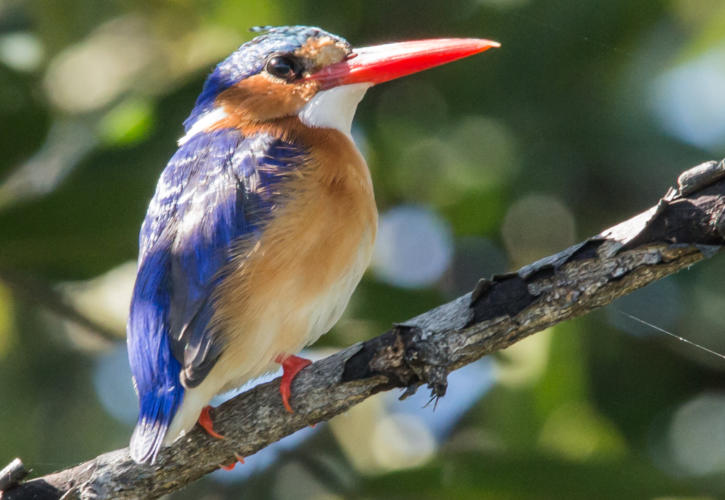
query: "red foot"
291, 366
206, 423
240, 459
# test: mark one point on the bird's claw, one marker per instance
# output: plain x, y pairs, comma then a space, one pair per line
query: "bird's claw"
291, 366
239, 459
206, 423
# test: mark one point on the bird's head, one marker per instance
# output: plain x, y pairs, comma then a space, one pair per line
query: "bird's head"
312, 74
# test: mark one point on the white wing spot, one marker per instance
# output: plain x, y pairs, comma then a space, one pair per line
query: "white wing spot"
203, 123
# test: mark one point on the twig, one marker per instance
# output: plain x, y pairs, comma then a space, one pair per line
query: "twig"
684, 227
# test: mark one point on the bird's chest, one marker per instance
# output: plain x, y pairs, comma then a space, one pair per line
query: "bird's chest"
297, 280
328, 249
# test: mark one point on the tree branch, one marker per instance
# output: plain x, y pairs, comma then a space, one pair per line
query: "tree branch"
686, 226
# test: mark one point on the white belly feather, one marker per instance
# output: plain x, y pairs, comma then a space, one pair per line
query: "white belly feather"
326, 309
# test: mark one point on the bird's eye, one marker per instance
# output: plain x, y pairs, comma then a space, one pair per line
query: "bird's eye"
285, 67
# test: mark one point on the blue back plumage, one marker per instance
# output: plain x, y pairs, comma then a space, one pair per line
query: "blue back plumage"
219, 189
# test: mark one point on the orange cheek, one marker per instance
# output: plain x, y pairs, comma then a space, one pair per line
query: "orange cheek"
261, 98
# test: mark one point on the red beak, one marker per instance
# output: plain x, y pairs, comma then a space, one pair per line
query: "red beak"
381, 63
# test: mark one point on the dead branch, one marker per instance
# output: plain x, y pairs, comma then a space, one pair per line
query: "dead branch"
684, 227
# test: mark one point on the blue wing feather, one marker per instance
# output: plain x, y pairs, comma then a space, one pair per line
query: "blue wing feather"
217, 189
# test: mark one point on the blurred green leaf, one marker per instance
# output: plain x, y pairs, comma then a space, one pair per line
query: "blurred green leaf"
127, 123
487, 476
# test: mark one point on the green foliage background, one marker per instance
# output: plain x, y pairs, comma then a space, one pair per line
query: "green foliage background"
561, 115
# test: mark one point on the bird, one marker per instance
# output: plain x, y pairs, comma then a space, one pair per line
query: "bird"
262, 222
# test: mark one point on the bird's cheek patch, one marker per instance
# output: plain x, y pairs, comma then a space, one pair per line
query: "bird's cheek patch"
262, 97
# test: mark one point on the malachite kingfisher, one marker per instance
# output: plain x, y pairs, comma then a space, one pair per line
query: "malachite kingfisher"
262, 222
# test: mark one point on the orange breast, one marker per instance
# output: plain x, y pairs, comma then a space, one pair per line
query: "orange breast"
296, 280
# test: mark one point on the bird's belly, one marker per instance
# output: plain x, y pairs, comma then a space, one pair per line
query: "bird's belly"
325, 309
290, 306
311, 301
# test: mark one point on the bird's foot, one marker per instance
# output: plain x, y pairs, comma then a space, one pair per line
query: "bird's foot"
291, 366
239, 459
207, 424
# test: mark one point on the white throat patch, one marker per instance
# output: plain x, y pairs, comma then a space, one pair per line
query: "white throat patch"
334, 108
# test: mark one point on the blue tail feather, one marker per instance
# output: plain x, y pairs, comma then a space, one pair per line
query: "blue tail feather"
157, 411
155, 369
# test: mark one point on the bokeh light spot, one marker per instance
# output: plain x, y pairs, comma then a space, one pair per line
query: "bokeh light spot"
106, 298
689, 100
536, 226
414, 247
112, 381
402, 441
575, 431
697, 435
475, 156
127, 123
524, 363
21, 51
90, 74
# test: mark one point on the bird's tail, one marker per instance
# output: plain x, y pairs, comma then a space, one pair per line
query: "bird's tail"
157, 411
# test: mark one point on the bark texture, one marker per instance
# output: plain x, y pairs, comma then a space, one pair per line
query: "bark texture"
684, 227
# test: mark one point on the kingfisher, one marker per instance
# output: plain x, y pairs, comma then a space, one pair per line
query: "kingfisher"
262, 222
